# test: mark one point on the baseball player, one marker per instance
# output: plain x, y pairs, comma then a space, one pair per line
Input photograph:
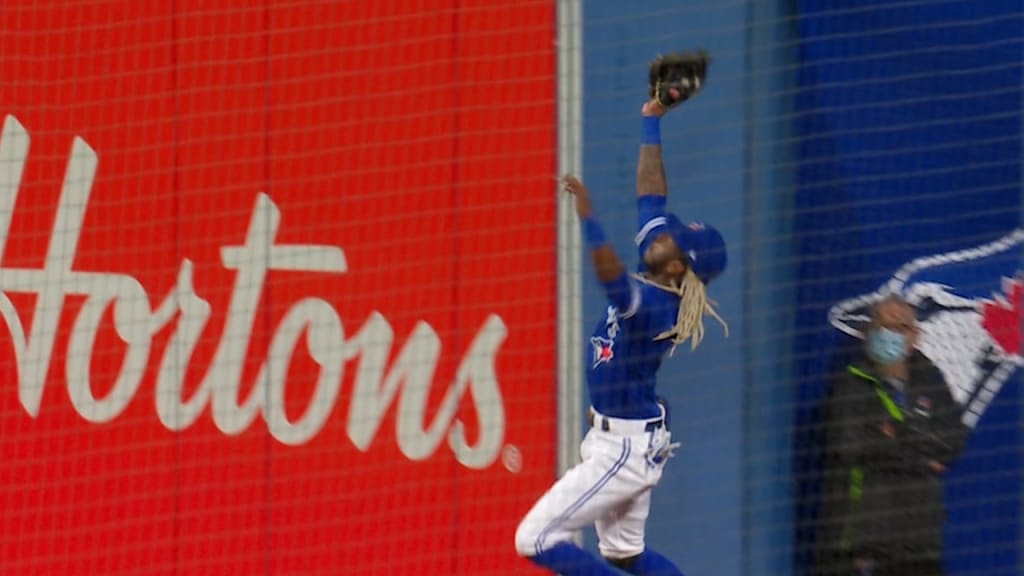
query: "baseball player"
648, 315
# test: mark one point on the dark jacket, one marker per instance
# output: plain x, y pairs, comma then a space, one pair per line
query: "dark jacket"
879, 495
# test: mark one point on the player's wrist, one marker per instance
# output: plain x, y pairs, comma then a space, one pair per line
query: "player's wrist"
650, 130
593, 233
653, 108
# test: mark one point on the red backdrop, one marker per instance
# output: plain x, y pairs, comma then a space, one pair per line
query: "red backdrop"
302, 317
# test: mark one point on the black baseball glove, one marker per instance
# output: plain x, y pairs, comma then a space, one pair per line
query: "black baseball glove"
676, 77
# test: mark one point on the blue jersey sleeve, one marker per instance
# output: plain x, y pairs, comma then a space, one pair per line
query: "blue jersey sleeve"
650, 221
624, 294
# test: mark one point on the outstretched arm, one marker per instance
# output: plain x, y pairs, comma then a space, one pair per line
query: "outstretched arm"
650, 170
622, 291
673, 79
651, 187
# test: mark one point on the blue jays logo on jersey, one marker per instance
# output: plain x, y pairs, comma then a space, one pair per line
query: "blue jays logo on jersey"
603, 350
969, 309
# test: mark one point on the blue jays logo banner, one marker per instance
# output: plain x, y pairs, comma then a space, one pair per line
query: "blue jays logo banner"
969, 309
968, 304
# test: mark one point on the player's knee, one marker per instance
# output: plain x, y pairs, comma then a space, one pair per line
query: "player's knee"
527, 539
535, 535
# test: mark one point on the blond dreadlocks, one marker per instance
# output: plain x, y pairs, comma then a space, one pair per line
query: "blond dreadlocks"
693, 305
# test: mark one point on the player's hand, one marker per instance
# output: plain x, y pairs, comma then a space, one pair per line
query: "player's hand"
654, 108
888, 429
936, 466
573, 186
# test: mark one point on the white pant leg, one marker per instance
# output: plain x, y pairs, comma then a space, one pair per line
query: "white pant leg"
602, 482
620, 534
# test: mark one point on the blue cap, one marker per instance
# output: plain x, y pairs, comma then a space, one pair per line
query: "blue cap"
703, 245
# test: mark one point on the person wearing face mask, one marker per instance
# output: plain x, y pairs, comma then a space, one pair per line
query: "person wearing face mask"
891, 429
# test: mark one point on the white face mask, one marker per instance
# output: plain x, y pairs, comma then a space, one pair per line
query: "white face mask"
885, 346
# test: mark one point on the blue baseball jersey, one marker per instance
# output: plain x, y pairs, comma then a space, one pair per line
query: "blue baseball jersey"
624, 357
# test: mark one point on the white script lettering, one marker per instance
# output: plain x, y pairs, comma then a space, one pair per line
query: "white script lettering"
410, 376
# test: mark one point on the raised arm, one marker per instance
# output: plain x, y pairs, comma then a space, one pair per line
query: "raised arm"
650, 170
651, 187
673, 79
622, 291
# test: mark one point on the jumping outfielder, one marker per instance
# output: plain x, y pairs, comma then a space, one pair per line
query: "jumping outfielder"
650, 313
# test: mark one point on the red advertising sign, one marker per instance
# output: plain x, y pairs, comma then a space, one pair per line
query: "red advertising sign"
277, 285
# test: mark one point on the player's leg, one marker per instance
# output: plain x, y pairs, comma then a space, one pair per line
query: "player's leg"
584, 494
620, 537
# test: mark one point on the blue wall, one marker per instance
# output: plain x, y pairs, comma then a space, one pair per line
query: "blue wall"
723, 505
910, 146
